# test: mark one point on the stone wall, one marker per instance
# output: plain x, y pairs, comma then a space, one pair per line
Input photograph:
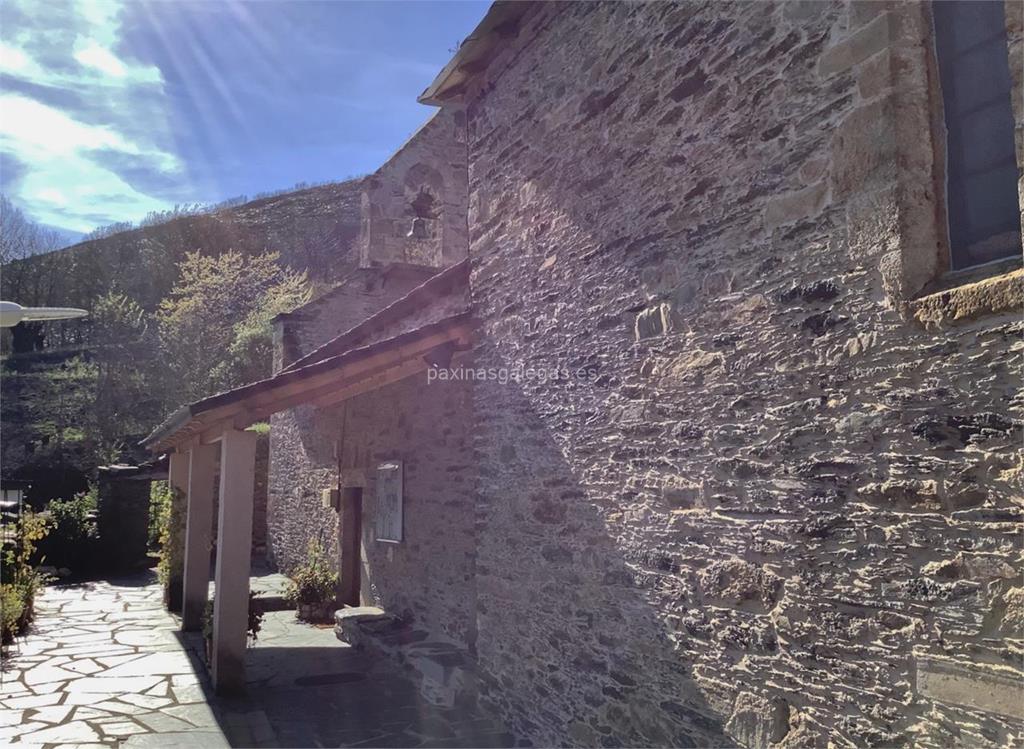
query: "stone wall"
427, 578
122, 518
414, 206
259, 497
775, 508
302, 464
303, 460
360, 295
304, 441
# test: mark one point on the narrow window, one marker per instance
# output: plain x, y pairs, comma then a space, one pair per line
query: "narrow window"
981, 185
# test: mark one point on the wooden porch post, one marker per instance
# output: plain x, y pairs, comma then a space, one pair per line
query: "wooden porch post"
198, 526
177, 482
234, 542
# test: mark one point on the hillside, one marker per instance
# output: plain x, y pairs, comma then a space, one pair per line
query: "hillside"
53, 392
313, 229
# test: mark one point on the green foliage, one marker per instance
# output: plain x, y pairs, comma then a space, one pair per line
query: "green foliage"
171, 537
314, 581
117, 318
29, 530
21, 578
122, 401
65, 404
255, 623
74, 534
214, 326
261, 428
121, 385
159, 512
11, 608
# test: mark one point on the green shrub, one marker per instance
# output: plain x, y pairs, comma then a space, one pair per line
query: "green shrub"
255, 618
159, 512
170, 532
21, 578
315, 581
11, 607
74, 535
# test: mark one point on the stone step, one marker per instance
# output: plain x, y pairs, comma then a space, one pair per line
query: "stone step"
274, 602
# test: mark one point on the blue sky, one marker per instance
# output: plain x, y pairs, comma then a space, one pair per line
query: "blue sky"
109, 109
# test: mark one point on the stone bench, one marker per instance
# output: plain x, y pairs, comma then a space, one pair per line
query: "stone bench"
446, 671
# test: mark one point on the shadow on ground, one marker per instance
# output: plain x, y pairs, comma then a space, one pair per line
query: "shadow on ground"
305, 688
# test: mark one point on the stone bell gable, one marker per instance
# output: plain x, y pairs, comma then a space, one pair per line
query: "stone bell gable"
413, 223
414, 206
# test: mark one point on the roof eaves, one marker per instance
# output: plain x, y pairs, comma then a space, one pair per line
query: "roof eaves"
500, 24
183, 416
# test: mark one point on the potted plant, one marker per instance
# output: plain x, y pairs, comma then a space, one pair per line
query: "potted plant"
314, 585
255, 623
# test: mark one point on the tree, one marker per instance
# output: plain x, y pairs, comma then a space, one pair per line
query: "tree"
125, 404
20, 238
214, 325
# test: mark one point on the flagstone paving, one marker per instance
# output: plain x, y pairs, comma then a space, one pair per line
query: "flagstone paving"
316, 691
104, 667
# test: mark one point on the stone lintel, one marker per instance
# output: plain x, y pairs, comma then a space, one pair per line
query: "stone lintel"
997, 295
994, 689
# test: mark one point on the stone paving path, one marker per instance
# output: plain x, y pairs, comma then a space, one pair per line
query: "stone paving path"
104, 667
317, 691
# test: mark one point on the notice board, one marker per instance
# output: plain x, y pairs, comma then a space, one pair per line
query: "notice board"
389, 501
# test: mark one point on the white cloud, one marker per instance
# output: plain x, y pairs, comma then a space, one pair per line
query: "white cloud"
106, 117
13, 60
94, 55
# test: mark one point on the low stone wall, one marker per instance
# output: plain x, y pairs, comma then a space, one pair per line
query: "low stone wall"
123, 523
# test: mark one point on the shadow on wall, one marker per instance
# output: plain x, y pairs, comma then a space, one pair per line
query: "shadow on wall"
564, 609
302, 451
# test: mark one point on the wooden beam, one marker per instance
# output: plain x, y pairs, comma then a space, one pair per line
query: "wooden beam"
400, 372
331, 385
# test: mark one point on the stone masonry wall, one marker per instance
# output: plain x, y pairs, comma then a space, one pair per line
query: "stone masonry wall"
302, 457
360, 295
302, 464
777, 510
428, 577
414, 206
302, 460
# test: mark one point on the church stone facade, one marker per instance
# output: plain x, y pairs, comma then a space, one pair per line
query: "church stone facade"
755, 476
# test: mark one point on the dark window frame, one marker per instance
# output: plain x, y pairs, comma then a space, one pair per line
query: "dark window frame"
972, 246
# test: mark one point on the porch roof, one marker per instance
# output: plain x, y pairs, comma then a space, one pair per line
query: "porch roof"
324, 382
442, 284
